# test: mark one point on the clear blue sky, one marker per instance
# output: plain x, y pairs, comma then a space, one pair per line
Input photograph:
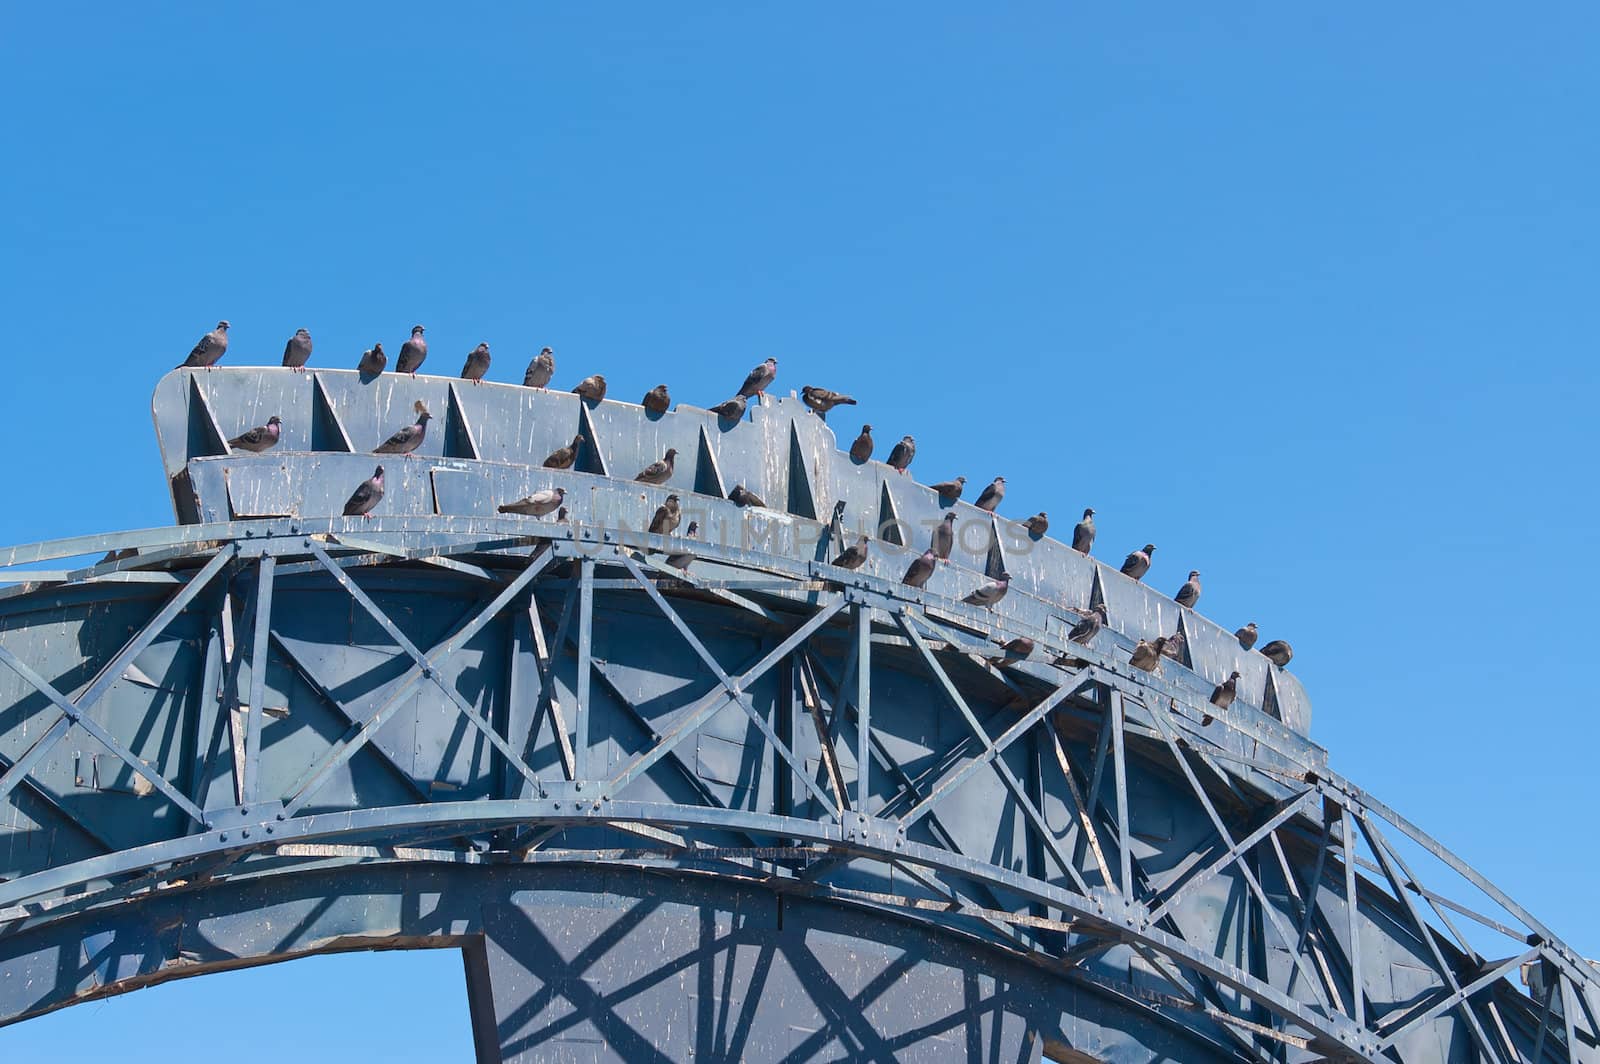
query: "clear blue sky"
1303, 293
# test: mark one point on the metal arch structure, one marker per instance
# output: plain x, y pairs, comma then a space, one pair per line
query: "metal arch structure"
758, 808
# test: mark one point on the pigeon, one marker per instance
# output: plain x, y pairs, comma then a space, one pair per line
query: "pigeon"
921, 568
992, 495
1246, 636
760, 379
1175, 645
656, 400
412, 352
1083, 533
1019, 648
259, 439
1278, 652
950, 490
741, 496
731, 409
1189, 593
902, 454
1223, 694
367, 496
1138, 563
853, 557
563, 457
990, 593
1147, 656
823, 400
1085, 630
659, 472
476, 365
538, 504
592, 388
212, 346
944, 537
681, 561
372, 361
1038, 524
666, 517
540, 370
409, 438
861, 450
297, 352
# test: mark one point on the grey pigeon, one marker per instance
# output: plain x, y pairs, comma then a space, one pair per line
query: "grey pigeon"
659, 472
1093, 620
742, 496
538, 504
212, 346
861, 450
409, 438
991, 496
367, 496
1018, 648
563, 457
297, 352
592, 388
990, 593
1246, 636
1189, 593
540, 370
412, 352
950, 490
1222, 696
731, 409
944, 537
921, 568
372, 361
666, 518
1083, 533
1147, 656
1278, 652
1038, 524
823, 400
681, 561
1138, 563
259, 439
656, 400
902, 454
760, 379
853, 557
1176, 642
476, 365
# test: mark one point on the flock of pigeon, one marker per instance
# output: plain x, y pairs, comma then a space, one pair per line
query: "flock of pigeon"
1147, 655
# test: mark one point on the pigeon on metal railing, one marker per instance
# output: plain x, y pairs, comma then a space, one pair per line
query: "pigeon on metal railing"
1038, 524
1189, 593
1222, 696
1147, 655
538, 504
412, 353
991, 496
372, 361
853, 557
409, 438
1278, 652
743, 496
1093, 620
944, 537
1083, 533
950, 490
1246, 636
659, 471
563, 457
1138, 563
297, 352
540, 370
367, 496
823, 400
990, 593
902, 454
1018, 649
1176, 643
730, 409
861, 450
476, 365
592, 388
656, 400
260, 438
920, 569
212, 346
760, 379
666, 518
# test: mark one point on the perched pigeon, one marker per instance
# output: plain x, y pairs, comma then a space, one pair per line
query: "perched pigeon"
409, 438
592, 388
476, 365
823, 400
367, 496
760, 379
944, 537
741, 496
259, 439
950, 490
1018, 648
1223, 694
921, 568
1278, 652
656, 400
1189, 593
1246, 636
412, 352
538, 504
540, 370
990, 593
212, 346
1038, 524
297, 352
1093, 620
1083, 533
1147, 656
861, 450
1176, 642
659, 472
563, 457
853, 557
681, 561
372, 361
902, 454
991, 496
731, 409
666, 518
1138, 563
